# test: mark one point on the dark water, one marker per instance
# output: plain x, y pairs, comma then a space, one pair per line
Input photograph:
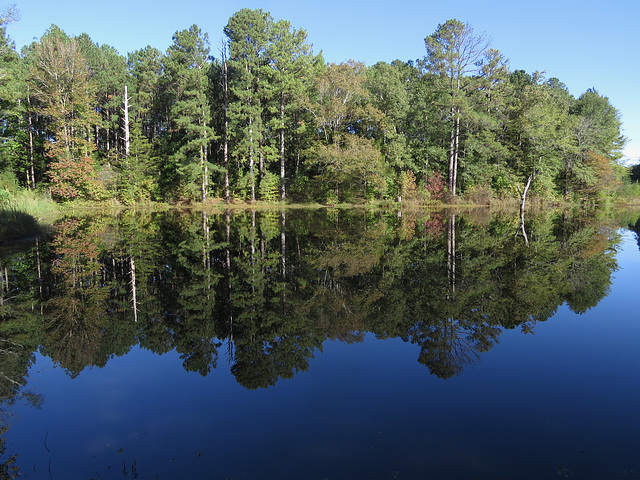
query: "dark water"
323, 345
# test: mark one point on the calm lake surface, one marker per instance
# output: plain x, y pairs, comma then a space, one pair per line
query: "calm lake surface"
323, 345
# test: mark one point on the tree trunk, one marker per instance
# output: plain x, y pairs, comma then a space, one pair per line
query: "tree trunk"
127, 143
203, 169
251, 172
31, 176
451, 253
134, 296
225, 106
452, 143
522, 227
108, 135
283, 243
523, 199
260, 161
204, 165
206, 249
227, 215
523, 194
282, 185
456, 154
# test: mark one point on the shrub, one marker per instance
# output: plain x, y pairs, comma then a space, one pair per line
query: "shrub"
75, 179
270, 187
408, 186
480, 195
436, 186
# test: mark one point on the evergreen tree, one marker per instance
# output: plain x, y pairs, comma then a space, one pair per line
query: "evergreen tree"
454, 58
291, 60
248, 32
108, 70
146, 68
186, 66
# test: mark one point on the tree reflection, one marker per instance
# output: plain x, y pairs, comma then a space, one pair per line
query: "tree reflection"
272, 286
76, 315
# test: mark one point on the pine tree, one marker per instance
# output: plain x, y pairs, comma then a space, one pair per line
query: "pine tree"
248, 32
454, 57
291, 60
186, 66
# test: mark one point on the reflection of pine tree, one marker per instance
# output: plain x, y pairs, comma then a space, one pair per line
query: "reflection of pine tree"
131, 263
272, 339
275, 285
187, 291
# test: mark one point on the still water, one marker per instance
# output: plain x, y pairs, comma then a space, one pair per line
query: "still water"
323, 345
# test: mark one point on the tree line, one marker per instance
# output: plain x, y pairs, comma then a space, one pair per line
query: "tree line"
264, 118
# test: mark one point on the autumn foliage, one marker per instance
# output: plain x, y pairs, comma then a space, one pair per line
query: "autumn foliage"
75, 179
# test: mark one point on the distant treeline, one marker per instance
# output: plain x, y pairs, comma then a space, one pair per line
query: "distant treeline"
263, 117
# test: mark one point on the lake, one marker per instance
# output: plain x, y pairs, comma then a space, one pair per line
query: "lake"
323, 344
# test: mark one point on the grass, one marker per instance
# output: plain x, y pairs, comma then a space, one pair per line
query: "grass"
26, 214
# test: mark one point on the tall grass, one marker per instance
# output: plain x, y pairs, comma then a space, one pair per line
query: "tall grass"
25, 214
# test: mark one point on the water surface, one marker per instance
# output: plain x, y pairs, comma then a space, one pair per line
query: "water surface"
323, 344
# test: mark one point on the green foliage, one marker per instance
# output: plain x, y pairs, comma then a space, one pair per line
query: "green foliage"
16, 224
271, 286
200, 126
351, 169
137, 181
408, 187
269, 187
186, 67
8, 184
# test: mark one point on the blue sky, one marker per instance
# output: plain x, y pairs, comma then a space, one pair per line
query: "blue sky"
584, 43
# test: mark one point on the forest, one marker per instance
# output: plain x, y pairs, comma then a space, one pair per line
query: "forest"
261, 117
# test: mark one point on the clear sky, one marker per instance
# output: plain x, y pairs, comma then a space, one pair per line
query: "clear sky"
584, 43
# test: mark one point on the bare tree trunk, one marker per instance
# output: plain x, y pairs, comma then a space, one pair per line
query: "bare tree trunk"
31, 177
206, 159
3, 288
283, 243
206, 249
456, 154
225, 106
32, 169
253, 251
522, 227
452, 144
228, 267
451, 252
523, 194
251, 172
205, 173
523, 199
38, 263
282, 186
107, 139
261, 161
127, 144
134, 296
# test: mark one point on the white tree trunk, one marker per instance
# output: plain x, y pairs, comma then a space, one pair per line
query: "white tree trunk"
127, 142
